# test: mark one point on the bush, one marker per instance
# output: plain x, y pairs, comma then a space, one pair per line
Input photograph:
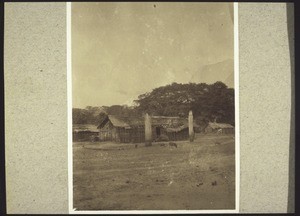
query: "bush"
162, 137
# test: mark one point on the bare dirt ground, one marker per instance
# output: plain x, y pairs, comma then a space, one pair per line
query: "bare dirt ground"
193, 176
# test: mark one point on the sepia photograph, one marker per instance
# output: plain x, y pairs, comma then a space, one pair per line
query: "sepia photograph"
153, 106
115, 108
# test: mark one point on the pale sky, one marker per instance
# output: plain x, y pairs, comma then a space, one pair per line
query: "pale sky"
122, 50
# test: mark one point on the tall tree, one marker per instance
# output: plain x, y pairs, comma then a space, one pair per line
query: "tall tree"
215, 101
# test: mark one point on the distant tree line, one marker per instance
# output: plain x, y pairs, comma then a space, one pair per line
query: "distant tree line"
209, 102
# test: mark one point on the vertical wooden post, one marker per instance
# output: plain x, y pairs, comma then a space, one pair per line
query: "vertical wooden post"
148, 130
191, 126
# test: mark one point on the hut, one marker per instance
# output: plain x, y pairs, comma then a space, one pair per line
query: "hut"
174, 128
84, 132
121, 129
132, 129
223, 128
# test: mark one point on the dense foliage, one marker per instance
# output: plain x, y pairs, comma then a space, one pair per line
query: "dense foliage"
208, 103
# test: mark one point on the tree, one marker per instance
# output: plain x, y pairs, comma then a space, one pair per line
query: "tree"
215, 101
208, 103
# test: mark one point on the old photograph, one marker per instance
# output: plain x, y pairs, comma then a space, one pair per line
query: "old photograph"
153, 106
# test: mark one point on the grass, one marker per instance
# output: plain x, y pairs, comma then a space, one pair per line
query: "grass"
193, 176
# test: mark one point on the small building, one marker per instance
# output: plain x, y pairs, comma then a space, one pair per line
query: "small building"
223, 128
132, 129
84, 132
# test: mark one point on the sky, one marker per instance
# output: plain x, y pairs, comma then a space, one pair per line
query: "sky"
121, 50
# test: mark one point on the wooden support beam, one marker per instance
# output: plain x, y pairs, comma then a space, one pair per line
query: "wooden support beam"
191, 126
148, 130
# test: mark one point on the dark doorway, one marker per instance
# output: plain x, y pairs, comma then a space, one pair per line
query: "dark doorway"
158, 131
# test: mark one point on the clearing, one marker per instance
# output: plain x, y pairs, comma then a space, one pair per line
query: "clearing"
121, 176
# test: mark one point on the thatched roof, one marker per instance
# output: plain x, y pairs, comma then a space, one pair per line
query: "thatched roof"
84, 128
176, 129
167, 120
118, 122
180, 127
215, 125
122, 121
171, 124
